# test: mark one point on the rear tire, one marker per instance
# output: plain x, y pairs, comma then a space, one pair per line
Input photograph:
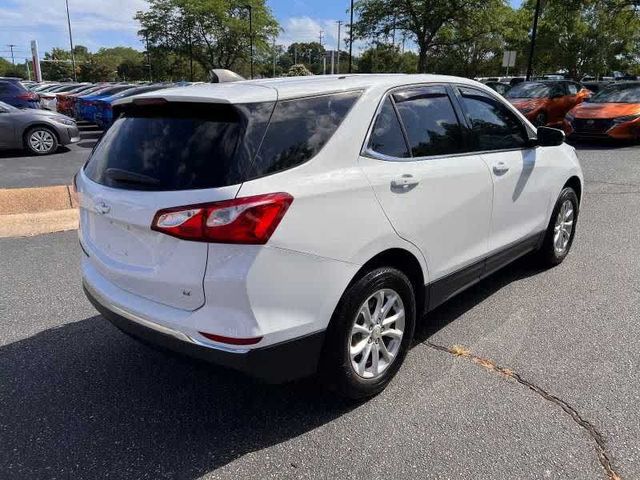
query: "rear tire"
41, 141
561, 229
384, 334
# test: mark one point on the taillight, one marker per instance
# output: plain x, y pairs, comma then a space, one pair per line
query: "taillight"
29, 96
248, 220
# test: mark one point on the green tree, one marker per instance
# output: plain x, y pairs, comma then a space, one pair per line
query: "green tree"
587, 36
421, 20
307, 53
213, 32
298, 70
382, 58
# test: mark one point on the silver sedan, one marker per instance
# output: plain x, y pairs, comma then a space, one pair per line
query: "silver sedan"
40, 132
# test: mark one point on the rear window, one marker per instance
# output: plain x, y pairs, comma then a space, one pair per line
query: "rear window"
185, 146
178, 147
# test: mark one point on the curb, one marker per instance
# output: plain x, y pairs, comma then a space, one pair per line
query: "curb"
35, 211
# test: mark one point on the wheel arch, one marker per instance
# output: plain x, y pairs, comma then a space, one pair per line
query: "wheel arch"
407, 263
575, 183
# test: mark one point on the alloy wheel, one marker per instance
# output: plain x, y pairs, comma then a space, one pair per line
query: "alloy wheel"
563, 228
376, 334
41, 141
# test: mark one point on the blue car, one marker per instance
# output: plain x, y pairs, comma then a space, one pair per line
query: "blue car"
85, 108
16, 95
104, 114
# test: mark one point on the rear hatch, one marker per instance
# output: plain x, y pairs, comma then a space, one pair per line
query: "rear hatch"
158, 156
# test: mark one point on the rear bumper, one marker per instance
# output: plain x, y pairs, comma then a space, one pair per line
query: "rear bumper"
278, 363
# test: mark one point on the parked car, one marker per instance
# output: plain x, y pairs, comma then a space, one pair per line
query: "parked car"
14, 93
595, 86
103, 107
39, 132
547, 102
613, 112
300, 225
85, 107
66, 103
499, 87
48, 100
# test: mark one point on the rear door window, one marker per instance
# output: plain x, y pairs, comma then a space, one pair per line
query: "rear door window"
430, 121
298, 130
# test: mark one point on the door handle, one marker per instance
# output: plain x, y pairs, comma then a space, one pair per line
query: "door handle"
500, 168
405, 181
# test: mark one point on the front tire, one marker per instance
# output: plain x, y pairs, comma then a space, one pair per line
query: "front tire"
561, 230
369, 334
41, 141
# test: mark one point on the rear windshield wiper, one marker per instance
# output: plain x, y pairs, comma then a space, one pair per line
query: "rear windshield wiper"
126, 176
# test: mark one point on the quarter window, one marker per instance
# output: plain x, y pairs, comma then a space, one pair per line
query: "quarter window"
387, 137
572, 88
494, 126
430, 121
298, 130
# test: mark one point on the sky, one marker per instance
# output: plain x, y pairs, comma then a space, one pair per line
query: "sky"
109, 23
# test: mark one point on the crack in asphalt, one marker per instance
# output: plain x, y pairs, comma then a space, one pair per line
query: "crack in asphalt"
588, 182
604, 456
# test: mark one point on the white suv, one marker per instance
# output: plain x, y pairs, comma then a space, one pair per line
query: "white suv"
299, 225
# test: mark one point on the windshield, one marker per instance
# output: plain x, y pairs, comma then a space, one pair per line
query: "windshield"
7, 107
618, 94
529, 90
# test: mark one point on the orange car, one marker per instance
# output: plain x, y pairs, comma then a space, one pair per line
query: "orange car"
613, 112
547, 102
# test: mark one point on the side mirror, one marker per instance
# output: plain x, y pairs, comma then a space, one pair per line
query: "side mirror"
550, 137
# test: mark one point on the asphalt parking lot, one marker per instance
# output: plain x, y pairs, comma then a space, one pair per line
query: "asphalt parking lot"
78, 399
19, 169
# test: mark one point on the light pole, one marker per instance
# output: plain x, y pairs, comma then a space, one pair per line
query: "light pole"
533, 40
73, 57
351, 37
339, 22
13, 60
250, 8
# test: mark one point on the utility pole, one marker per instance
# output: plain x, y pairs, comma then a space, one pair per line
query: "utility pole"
73, 56
351, 38
324, 55
274, 56
339, 22
13, 60
533, 40
146, 39
295, 53
250, 8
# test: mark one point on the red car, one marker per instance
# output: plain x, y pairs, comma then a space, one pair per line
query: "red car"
547, 102
613, 112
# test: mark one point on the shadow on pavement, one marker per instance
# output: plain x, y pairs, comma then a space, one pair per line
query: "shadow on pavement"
601, 144
457, 306
85, 401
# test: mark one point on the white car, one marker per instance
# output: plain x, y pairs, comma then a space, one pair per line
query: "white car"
291, 226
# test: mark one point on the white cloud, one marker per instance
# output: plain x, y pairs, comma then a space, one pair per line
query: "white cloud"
307, 29
95, 23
